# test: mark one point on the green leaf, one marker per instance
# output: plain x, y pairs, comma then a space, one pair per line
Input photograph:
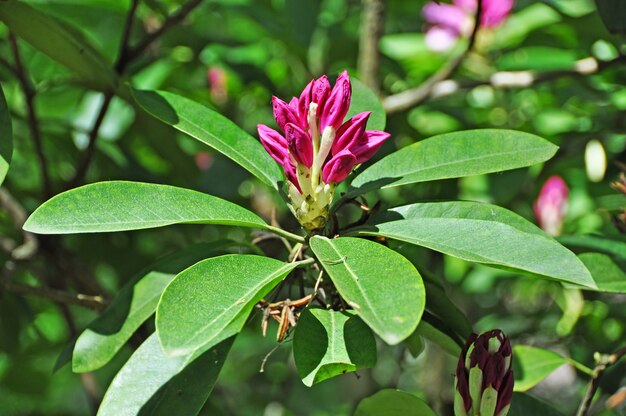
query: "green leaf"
60, 42
531, 365
213, 129
454, 155
120, 206
524, 404
202, 300
383, 287
481, 233
134, 303
6, 136
609, 277
596, 243
392, 403
152, 383
329, 343
364, 99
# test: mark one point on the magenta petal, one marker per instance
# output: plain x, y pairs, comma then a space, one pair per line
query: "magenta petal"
305, 99
290, 173
283, 113
338, 103
496, 12
300, 144
274, 143
447, 16
339, 167
320, 92
368, 147
350, 132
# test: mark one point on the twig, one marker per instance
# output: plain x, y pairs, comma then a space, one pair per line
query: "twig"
96, 303
122, 60
372, 24
87, 156
525, 79
134, 52
603, 361
416, 96
33, 124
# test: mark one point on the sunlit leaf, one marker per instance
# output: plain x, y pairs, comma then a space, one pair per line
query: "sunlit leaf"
531, 365
383, 287
454, 155
213, 129
327, 343
481, 233
120, 206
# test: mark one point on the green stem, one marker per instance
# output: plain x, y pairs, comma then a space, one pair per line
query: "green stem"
581, 367
286, 234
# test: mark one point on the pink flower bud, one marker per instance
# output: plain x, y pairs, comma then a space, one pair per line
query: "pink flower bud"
273, 142
283, 113
338, 167
320, 92
551, 204
350, 133
300, 145
371, 142
336, 108
305, 99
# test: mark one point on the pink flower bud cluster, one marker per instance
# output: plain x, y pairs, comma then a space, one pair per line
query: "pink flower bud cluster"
448, 22
551, 204
315, 147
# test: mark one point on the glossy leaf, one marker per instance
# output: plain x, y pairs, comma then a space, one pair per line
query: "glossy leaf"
481, 233
609, 277
327, 343
531, 365
120, 205
213, 129
392, 403
59, 41
152, 383
132, 306
428, 330
524, 404
383, 287
364, 99
454, 155
6, 137
203, 300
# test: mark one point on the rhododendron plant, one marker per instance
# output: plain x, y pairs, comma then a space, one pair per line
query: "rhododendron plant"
448, 22
316, 148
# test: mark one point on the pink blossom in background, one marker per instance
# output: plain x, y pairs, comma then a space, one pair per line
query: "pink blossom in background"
315, 147
448, 22
218, 84
204, 160
551, 204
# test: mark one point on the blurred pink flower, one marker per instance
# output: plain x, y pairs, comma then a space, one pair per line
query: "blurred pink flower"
551, 204
218, 84
204, 160
448, 22
316, 148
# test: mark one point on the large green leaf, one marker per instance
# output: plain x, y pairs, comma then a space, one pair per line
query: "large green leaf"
212, 128
329, 343
152, 383
133, 304
383, 287
59, 41
364, 99
454, 155
202, 300
481, 233
393, 403
6, 136
119, 206
609, 277
532, 364
523, 404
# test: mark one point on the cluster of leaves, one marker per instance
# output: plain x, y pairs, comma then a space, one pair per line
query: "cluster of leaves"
204, 293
